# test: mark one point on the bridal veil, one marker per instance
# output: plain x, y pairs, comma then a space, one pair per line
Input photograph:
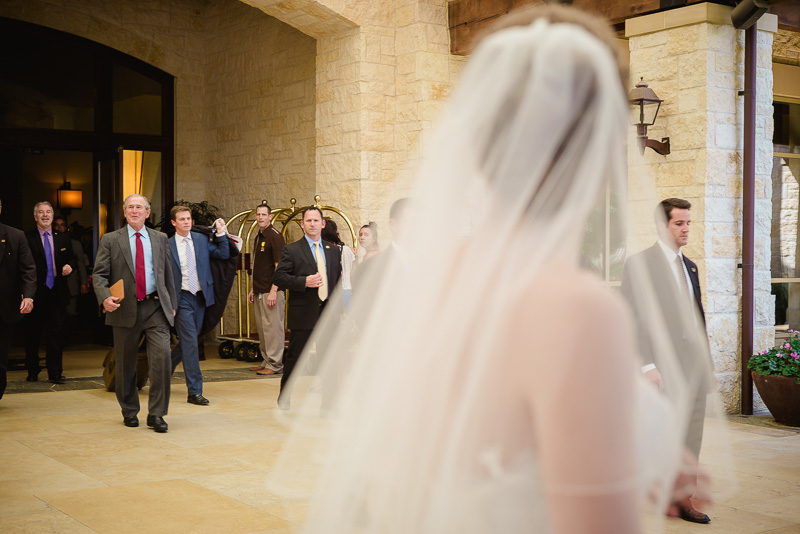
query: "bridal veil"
485, 378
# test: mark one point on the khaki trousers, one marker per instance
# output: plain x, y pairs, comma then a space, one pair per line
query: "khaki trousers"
269, 322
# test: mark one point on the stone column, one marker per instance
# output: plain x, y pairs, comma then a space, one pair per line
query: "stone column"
694, 59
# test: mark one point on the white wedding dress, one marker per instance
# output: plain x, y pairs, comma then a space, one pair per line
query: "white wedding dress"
492, 386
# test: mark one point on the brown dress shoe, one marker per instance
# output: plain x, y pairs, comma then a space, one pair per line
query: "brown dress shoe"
266, 371
256, 368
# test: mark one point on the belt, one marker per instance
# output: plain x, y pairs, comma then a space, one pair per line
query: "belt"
151, 296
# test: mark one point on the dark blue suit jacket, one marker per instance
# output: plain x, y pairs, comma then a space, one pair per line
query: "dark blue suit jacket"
203, 251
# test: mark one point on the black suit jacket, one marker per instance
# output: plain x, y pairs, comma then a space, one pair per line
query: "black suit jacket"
296, 263
62, 248
681, 332
17, 273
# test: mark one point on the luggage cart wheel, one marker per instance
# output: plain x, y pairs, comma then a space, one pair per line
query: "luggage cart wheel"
253, 353
240, 351
226, 350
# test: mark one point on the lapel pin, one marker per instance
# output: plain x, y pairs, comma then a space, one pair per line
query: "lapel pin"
2, 240
694, 270
326, 246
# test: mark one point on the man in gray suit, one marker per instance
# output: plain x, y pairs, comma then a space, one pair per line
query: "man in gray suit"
139, 257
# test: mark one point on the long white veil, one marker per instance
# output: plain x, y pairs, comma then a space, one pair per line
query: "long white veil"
485, 378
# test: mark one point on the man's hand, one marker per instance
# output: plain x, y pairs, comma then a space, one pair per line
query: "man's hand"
219, 224
272, 299
251, 297
26, 306
110, 304
654, 377
314, 280
66, 270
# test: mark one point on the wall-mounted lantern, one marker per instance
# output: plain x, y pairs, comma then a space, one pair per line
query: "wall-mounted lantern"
646, 104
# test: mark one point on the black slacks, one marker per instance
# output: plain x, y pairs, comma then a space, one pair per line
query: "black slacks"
47, 316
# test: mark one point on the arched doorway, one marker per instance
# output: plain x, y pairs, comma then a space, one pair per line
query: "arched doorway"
77, 115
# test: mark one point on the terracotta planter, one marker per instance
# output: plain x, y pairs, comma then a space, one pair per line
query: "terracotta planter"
781, 395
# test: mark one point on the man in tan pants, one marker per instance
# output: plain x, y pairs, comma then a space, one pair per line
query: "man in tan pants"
269, 302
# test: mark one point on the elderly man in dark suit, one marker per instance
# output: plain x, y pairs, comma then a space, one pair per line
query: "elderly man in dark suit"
191, 270
309, 268
685, 319
17, 288
140, 257
52, 253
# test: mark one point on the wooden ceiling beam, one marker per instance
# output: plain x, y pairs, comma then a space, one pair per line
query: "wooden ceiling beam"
469, 18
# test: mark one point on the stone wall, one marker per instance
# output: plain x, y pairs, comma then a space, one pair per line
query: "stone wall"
383, 73
258, 110
696, 66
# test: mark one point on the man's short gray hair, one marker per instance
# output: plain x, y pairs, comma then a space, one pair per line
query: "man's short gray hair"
36, 206
136, 195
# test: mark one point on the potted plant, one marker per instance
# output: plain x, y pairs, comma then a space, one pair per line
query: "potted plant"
776, 374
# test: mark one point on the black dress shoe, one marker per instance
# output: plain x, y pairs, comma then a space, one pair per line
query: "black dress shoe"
198, 400
688, 513
59, 380
32, 378
157, 423
131, 421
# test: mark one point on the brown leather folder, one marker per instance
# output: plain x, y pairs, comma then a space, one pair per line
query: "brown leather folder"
118, 290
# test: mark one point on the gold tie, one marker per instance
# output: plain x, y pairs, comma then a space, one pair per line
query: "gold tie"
323, 289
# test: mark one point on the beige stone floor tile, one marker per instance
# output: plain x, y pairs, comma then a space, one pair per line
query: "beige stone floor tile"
248, 487
131, 455
294, 513
257, 454
168, 506
214, 429
737, 489
786, 508
16, 501
48, 520
25, 469
726, 520
794, 529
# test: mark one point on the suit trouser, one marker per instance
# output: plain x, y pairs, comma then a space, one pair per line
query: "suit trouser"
694, 431
297, 342
270, 330
153, 325
5, 344
188, 321
48, 315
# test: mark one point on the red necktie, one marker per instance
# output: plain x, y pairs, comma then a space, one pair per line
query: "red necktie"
141, 281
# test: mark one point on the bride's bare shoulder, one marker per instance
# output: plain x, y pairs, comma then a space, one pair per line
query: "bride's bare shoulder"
574, 292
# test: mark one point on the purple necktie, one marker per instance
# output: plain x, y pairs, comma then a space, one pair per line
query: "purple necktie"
48, 257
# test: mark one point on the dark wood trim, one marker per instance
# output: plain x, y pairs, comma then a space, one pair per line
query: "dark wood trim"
469, 18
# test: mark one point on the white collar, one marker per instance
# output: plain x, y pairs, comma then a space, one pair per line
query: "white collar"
669, 253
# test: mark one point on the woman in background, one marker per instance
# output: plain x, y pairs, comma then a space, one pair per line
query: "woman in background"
368, 240
331, 233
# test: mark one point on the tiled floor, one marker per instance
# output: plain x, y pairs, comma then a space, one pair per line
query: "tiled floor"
68, 465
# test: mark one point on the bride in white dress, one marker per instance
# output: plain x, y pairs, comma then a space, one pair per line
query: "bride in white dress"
493, 385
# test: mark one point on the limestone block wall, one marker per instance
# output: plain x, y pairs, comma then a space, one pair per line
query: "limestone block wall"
383, 72
695, 64
258, 109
